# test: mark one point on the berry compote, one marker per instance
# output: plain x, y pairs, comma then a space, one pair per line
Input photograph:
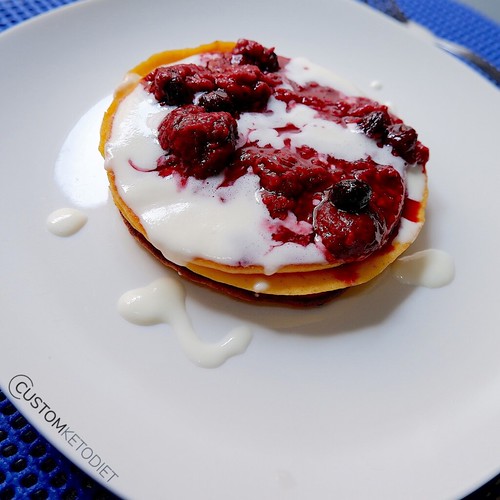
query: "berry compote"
348, 207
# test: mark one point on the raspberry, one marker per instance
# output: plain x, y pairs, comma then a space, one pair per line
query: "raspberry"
196, 142
250, 52
288, 181
176, 85
388, 192
335, 228
245, 86
283, 172
352, 229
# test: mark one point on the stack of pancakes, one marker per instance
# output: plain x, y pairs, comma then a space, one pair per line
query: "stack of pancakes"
292, 284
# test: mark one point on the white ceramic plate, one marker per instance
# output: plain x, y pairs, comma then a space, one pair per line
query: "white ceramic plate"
391, 392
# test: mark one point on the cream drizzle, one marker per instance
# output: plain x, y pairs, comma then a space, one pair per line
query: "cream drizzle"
66, 221
163, 301
431, 268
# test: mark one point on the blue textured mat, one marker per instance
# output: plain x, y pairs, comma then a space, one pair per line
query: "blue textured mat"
30, 467
13, 12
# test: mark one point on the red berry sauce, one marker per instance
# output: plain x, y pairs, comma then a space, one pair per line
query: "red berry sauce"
351, 208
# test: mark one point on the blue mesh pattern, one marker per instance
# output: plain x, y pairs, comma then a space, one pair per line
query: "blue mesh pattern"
32, 468
13, 12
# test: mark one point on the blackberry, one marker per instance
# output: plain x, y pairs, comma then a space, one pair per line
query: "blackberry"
403, 140
375, 124
217, 100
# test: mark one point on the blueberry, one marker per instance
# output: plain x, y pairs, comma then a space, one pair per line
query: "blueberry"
351, 195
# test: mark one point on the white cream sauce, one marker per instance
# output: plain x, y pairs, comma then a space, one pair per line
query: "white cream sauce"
66, 221
163, 301
230, 225
430, 268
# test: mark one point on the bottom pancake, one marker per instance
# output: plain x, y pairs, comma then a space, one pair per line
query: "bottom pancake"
310, 300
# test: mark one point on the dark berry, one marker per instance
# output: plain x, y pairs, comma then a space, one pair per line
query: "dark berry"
420, 154
403, 140
196, 142
246, 86
375, 124
176, 85
351, 195
250, 52
217, 100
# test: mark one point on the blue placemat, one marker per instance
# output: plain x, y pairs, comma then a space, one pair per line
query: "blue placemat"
30, 467
13, 12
